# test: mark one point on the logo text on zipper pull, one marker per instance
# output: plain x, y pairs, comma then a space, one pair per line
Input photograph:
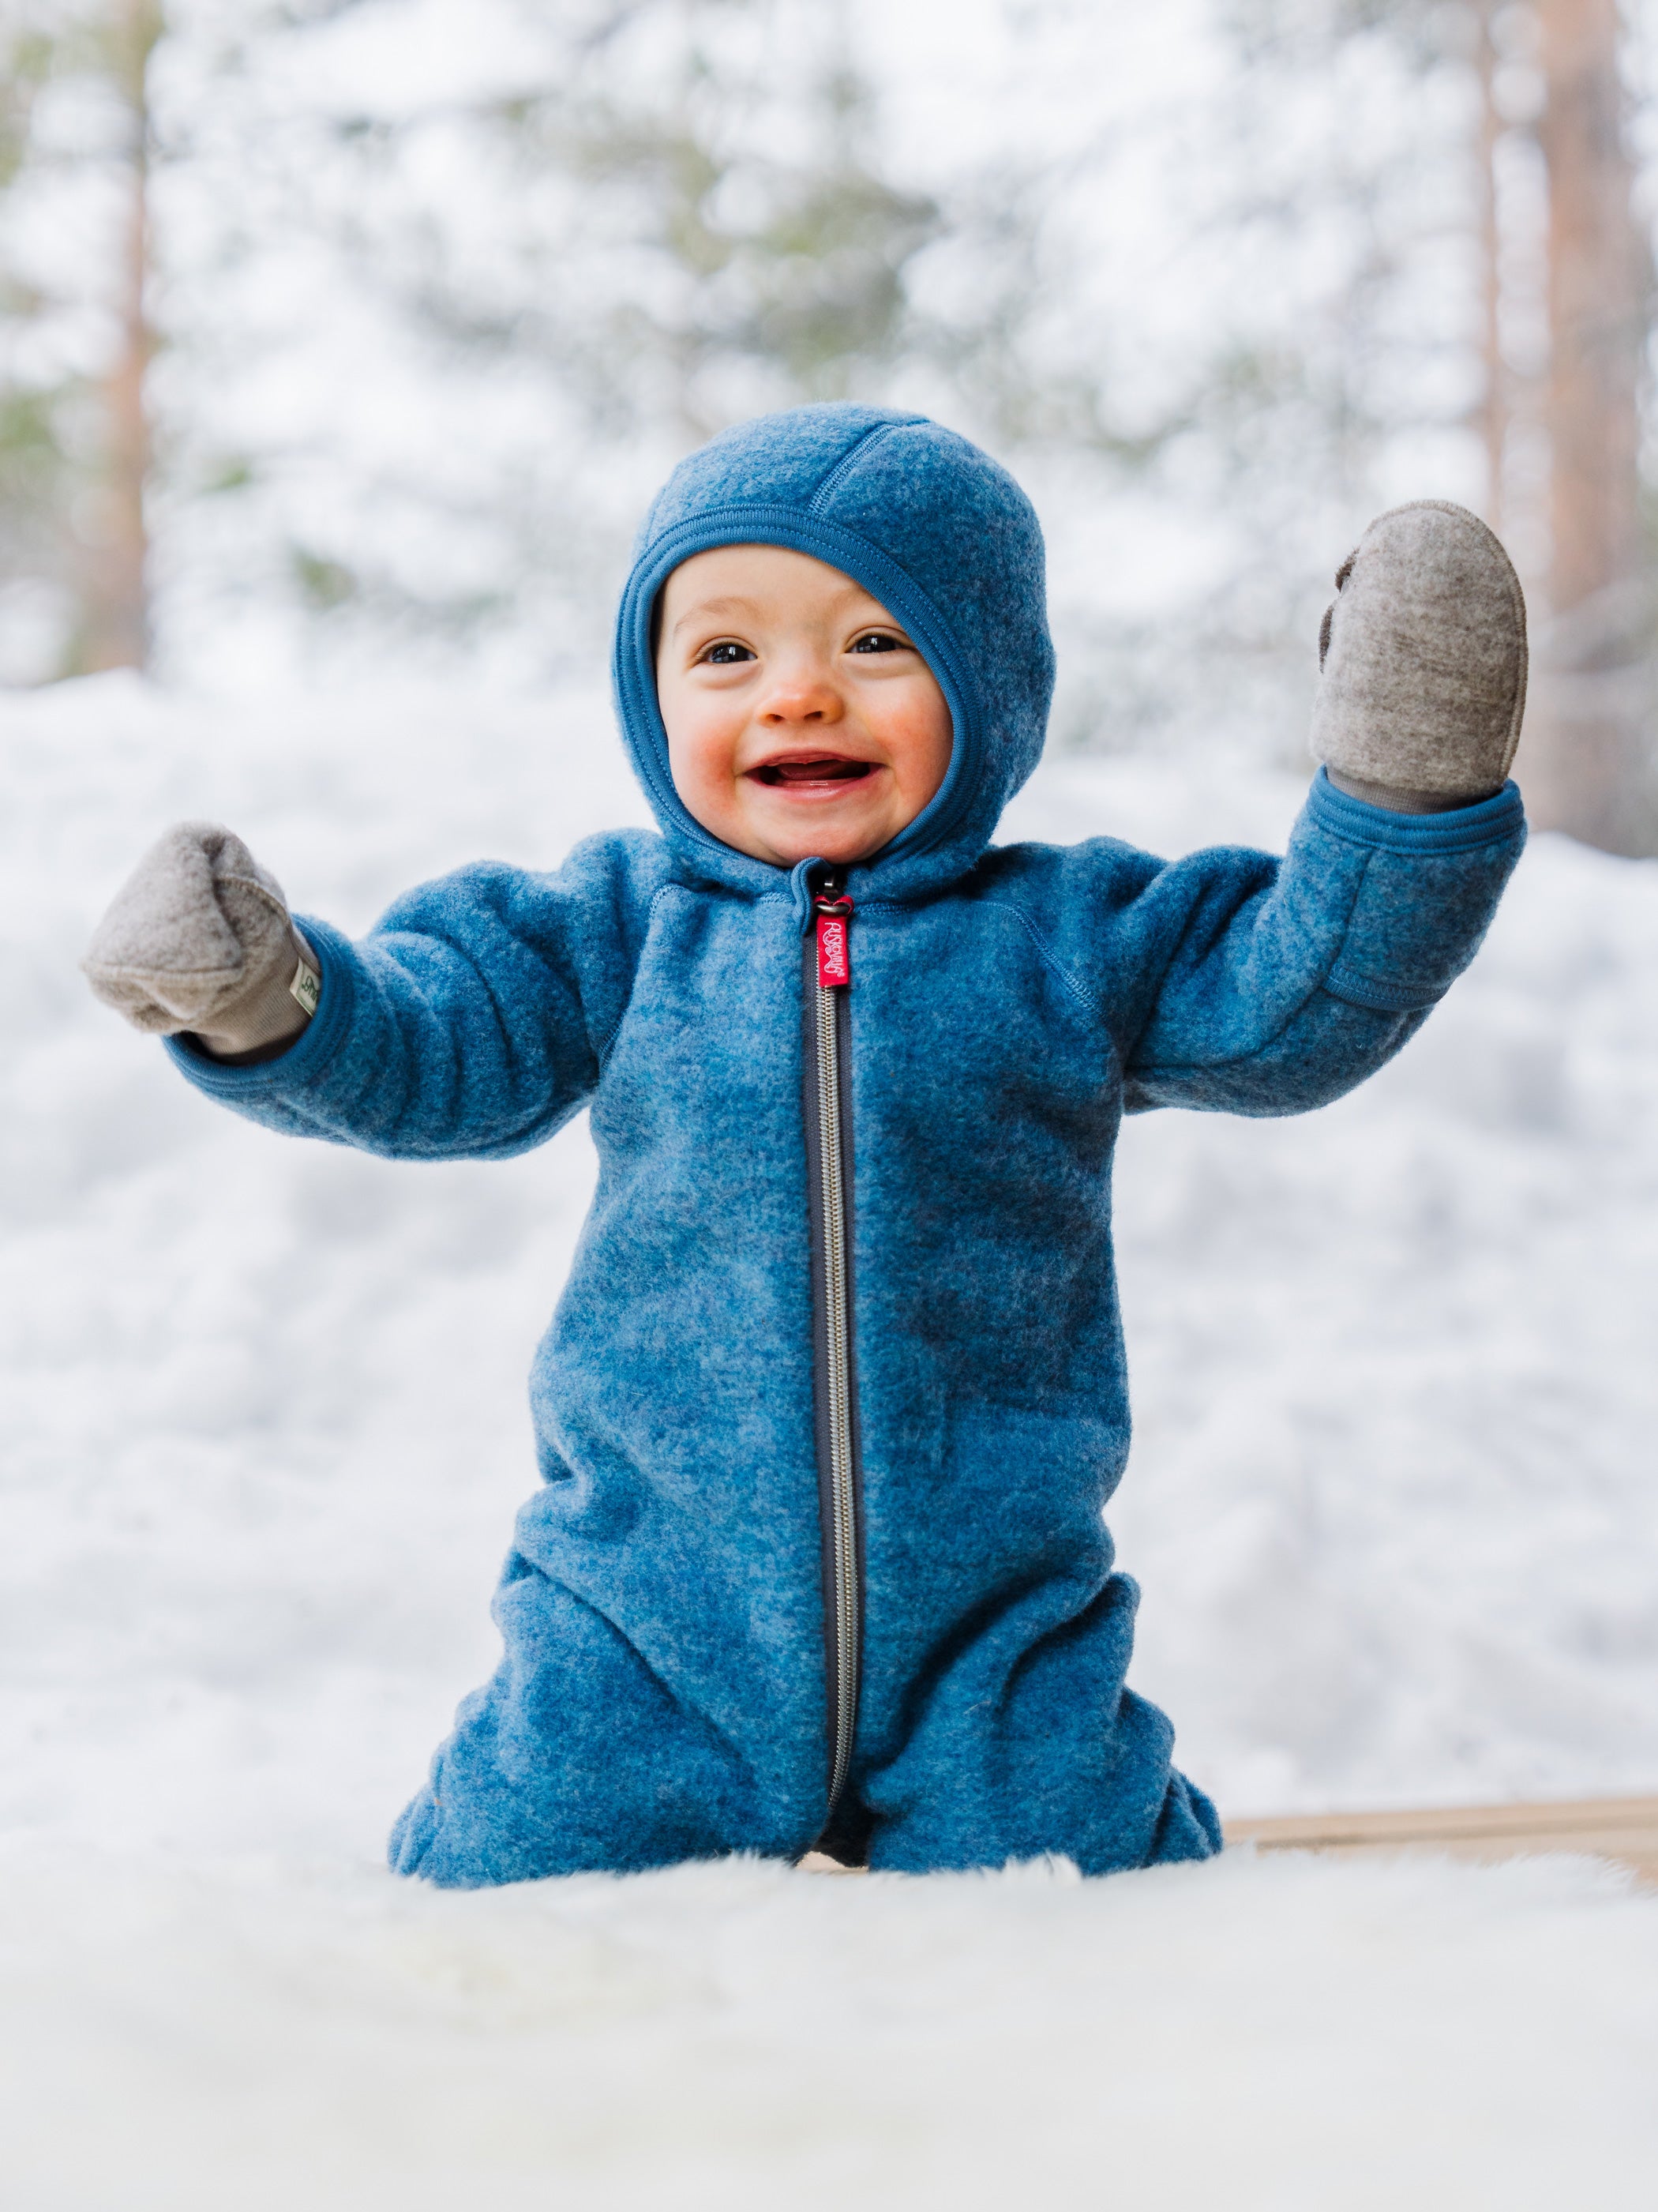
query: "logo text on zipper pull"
834, 941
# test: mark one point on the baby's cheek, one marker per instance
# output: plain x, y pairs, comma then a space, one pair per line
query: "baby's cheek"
701, 752
702, 761
920, 741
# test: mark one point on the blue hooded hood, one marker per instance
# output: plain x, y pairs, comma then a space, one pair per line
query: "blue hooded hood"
936, 530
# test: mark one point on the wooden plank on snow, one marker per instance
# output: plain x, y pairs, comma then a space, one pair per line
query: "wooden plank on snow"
1622, 1829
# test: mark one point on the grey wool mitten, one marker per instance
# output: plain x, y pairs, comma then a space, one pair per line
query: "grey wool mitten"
199, 939
1423, 655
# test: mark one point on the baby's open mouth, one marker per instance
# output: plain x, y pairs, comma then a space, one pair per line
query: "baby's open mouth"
812, 768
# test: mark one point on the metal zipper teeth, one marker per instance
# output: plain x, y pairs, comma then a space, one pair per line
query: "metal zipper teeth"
843, 1504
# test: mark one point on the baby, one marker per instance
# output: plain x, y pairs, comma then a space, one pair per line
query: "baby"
835, 1398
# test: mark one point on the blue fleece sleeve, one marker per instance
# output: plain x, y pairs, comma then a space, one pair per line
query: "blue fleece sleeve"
1287, 982
469, 1023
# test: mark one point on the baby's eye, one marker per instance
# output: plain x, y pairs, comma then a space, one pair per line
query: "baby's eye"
728, 650
879, 640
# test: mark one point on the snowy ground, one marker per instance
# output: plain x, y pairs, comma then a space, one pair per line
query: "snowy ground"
265, 1429
1270, 2036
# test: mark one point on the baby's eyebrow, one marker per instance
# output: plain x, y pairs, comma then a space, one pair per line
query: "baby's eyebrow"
728, 603
703, 607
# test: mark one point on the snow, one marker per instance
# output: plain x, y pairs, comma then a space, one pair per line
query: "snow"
265, 1429
1274, 2036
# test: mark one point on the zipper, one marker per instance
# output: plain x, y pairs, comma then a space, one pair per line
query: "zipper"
829, 1146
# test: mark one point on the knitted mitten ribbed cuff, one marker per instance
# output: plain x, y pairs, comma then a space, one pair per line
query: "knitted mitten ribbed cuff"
1405, 802
265, 1024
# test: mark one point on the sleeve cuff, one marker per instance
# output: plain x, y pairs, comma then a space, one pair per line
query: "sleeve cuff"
1459, 829
310, 1051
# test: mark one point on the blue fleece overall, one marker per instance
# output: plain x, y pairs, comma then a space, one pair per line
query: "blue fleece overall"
665, 1690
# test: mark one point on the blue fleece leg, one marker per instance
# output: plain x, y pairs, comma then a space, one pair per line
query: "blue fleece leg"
576, 1757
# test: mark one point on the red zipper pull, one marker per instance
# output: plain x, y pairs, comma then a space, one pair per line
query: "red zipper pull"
834, 912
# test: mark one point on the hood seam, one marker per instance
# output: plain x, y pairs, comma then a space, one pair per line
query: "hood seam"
825, 491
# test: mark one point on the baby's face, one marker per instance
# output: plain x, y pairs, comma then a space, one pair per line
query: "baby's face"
800, 719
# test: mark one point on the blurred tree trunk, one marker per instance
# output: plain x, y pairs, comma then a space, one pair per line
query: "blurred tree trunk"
1587, 766
1495, 412
115, 627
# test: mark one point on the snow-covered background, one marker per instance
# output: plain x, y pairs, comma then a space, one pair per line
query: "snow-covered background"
264, 1420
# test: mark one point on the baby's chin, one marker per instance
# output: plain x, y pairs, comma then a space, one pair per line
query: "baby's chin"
785, 832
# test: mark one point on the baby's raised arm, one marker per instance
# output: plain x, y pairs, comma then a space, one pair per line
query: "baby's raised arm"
469, 1022
1271, 987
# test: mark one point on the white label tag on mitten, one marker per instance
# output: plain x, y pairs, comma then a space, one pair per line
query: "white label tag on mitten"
306, 987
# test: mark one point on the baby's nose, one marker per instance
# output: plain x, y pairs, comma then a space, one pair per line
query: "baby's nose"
801, 702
